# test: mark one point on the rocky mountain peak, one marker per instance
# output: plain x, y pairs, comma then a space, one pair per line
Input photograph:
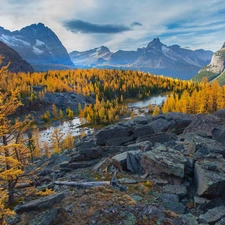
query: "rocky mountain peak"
155, 43
39, 45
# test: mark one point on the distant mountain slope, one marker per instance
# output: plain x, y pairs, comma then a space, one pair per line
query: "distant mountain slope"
156, 58
39, 45
215, 69
17, 64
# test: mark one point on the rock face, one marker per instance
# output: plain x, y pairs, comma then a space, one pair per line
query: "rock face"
215, 69
39, 45
155, 58
17, 64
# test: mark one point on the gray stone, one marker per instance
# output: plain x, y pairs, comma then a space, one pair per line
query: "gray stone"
85, 164
127, 181
163, 160
200, 203
176, 207
210, 181
160, 125
41, 203
212, 215
118, 141
203, 146
64, 164
219, 135
186, 219
203, 125
112, 132
143, 131
179, 190
158, 138
133, 163
221, 222
44, 218
169, 198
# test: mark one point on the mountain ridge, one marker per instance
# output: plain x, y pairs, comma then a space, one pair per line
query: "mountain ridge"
155, 57
17, 63
38, 45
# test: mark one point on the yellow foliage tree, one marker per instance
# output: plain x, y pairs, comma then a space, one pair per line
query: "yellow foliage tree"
14, 154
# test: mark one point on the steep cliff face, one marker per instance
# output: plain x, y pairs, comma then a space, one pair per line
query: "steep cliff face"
17, 64
39, 45
215, 70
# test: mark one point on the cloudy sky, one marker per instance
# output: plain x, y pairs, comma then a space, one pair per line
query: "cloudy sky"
120, 24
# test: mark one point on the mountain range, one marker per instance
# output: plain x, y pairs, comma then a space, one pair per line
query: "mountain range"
215, 70
39, 46
156, 57
17, 64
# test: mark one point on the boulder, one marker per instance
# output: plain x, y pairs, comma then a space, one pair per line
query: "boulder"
143, 131
209, 176
133, 163
122, 159
41, 203
118, 141
213, 215
160, 125
44, 218
112, 132
163, 160
193, 143
203, 125
158, 138
219, 135
178, 190
77, 165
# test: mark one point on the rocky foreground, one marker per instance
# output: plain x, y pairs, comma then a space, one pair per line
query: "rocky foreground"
168, 169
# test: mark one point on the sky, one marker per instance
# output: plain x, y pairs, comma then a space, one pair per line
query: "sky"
120, 24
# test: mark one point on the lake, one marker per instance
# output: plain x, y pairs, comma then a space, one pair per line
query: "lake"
155, 100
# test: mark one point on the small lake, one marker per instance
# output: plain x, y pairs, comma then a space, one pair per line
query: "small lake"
155, 100
71, 126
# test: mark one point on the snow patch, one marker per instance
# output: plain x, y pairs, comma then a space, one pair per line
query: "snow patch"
37, 50
39, 43
13, 41
165, 49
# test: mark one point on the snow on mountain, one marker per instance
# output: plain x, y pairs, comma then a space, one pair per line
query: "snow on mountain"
39, 45
155, 57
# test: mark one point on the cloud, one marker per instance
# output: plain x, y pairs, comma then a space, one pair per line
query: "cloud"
77, 26
134, 24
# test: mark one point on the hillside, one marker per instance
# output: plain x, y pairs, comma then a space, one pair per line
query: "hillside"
39, 45
17, 64
156, 58
215, 69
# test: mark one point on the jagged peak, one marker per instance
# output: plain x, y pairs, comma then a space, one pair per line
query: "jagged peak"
155, 43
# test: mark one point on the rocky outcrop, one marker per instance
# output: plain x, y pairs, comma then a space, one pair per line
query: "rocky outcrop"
215, 69
168, 175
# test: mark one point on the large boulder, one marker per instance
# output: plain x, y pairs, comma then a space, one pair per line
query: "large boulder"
112, 132
209, 176
41, 203
164, 160
203, 125
212, 215
161, 125
201, 146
